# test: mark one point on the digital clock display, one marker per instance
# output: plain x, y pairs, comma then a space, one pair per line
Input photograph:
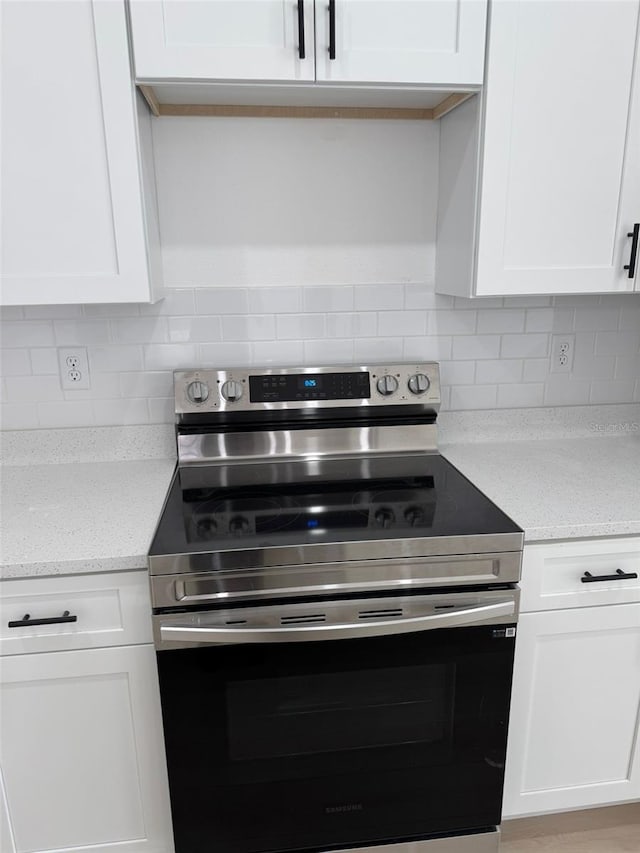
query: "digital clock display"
306, 383
309, 387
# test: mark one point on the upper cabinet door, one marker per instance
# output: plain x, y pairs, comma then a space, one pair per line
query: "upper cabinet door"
223, 39
560, 184
73, 225
437, 42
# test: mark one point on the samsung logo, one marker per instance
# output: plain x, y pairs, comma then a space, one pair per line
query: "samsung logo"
346, 807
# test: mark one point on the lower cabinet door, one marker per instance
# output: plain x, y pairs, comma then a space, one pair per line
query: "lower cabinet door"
573, 729
82, 754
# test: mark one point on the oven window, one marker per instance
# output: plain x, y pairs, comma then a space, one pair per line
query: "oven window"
334, 712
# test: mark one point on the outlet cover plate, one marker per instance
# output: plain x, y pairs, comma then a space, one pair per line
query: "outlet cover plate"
73, 364
562, 348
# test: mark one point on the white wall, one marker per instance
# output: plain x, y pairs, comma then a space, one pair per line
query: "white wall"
341, 217
256, 202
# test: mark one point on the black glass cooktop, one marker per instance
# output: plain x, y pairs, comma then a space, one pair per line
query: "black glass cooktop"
301, 503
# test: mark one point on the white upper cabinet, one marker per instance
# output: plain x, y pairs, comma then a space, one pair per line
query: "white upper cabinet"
436, 42
74, 225
557, 179
223, 39
427, 42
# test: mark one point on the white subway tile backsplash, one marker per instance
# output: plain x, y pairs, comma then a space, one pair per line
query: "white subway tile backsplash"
184, 330
52, 312
161, 410
175, 303
222, 301
532, 345
612, 392
115, 358
520, 396
15, 362
44, 360
361, 325
630, 317
535, 369
19, 416
142, 330
26, 389
300, 327
275, 300
500, 320
285, 353
328, 352
325, 299
617, 343
81, 333
401, 323
146, 383
261, 327
121, 412
24, 333
224, 354
627, 367
428, 348
492, 352
498, 370
457, 372
562, 390
378, 297
597, 318
69, 413
451, 322
377, 350
168, 356
539, 320
476, 347
474, 396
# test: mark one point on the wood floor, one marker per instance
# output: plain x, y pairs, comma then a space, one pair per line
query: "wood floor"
610, 830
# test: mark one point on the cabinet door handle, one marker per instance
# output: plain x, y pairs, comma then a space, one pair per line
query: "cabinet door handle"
631, 266
332, 29
619, 576
301, 47
52, 620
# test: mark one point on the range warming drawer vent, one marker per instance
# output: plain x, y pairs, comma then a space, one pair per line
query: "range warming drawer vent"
379, 614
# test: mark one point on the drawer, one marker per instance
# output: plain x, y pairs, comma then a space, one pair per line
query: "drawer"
552, 573
110, 609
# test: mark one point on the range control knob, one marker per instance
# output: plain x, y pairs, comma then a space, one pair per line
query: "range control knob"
414, 515
239, 524
418, 383
197, 391
231, 390
387, 385
384, 517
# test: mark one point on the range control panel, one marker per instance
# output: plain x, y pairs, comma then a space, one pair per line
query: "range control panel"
242, 389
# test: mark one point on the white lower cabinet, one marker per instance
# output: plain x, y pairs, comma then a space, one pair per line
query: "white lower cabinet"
82, 753
574, 738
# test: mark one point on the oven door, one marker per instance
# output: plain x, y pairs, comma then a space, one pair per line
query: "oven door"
314, 726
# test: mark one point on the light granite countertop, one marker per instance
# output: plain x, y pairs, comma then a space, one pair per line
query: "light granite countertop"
559, 488
82, 501
80, 517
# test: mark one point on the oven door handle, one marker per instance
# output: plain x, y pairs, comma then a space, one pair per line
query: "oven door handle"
453, 618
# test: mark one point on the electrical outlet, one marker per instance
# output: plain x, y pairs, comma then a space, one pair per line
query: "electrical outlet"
74, 368
562, 347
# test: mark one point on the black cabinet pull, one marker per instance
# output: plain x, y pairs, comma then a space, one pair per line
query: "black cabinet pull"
619, 576
332, 29
52, 620
631, 266
301, 48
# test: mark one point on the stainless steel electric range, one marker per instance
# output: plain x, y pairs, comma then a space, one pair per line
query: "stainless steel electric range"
335, 611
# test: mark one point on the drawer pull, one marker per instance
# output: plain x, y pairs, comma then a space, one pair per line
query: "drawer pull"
619, 576
52, 620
